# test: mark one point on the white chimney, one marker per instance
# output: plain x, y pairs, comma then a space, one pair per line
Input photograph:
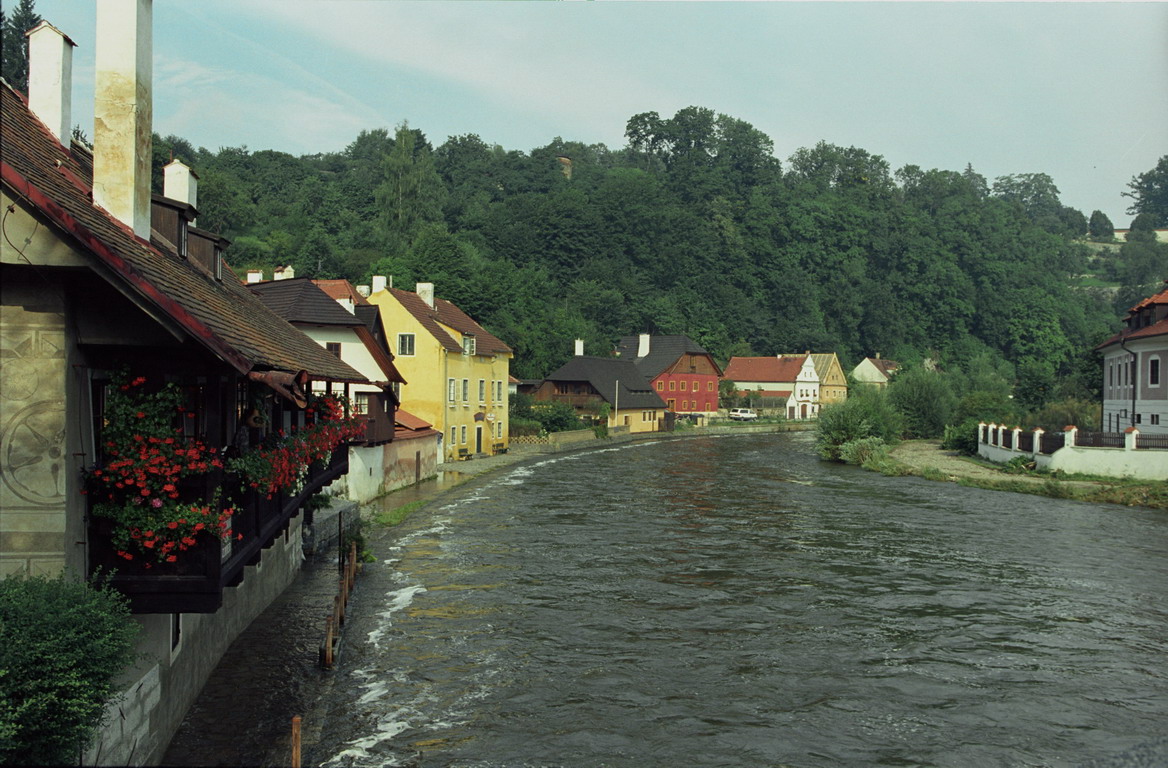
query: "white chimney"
426, 292
378, 284
579, 347
50, 79
180, 183
363, 290
255, 276
122, 111
643, 345
284, 273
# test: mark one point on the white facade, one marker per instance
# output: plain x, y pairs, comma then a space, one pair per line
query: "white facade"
1135, 386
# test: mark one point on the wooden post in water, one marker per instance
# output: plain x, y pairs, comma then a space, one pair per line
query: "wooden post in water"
296, 742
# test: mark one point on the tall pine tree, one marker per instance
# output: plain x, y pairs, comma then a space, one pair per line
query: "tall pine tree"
14, 59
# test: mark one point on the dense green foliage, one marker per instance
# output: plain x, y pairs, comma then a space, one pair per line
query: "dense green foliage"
62, 644
13, 43
1149, 191
867, 413
694, 227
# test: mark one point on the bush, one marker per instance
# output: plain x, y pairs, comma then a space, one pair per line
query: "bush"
962, 437
925, 399
867, 413
522, 426
62, 645
863, 451
556, 417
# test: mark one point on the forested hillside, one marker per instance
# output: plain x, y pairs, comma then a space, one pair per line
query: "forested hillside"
694, 227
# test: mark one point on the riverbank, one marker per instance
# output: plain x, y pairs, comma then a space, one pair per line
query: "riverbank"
926, 458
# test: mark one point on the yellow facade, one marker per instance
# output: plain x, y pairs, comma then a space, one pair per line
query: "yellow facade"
463, 395
637, 419
833, 384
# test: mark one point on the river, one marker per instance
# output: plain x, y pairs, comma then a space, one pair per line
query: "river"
736, 602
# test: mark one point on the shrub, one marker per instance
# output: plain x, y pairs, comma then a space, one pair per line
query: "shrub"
962, 437
926, 400
866, 414
863, 451
556, 417
62, 645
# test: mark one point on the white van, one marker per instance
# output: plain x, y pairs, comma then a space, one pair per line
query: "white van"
743, 414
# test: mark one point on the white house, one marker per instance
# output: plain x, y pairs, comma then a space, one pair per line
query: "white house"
1135, 382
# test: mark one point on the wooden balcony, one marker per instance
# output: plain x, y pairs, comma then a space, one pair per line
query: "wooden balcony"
195, 583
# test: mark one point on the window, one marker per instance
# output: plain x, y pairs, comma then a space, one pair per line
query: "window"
453, 436
333, 347
500, 425
405, 344
361, 403
697, 386
1154, 419
671, 404
482, 391
468, 345
1139, 418
683, 383
464, 434
1154, 372
451, 390
661, 386
672, 385
465, 392
684, 403
710, 386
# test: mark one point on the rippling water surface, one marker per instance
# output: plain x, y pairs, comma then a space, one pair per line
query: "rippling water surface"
735, 602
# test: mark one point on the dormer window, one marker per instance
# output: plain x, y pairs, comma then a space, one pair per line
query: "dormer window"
468, 345
182, 239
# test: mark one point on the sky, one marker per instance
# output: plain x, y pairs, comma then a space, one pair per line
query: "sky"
1075, 90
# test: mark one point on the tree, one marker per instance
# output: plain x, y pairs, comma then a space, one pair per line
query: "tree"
925, 399
64, 645
14, 61
1149, 190
411, 194
1100, 228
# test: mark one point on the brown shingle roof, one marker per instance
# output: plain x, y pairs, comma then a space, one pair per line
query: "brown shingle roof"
341, 289
445, 313
223, 316
774, 369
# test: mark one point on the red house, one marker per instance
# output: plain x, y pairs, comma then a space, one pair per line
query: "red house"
683, 374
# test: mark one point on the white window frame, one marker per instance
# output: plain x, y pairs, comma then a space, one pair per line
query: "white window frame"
451, 390
469, 345
401, 338
464, 434
1154, 367
482, 391
465, 393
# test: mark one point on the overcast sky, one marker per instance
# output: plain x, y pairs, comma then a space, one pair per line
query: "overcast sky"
1078, 91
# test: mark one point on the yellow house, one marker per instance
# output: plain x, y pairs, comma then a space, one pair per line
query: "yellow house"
833, 384
456, 371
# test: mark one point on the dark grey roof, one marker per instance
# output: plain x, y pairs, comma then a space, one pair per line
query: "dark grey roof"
607, 375
664, 351
300, 301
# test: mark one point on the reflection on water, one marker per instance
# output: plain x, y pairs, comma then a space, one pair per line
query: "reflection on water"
735, 602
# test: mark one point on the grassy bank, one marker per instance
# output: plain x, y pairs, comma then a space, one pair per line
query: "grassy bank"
926, 459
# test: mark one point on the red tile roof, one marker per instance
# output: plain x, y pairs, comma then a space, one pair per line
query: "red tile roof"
776, 369
341, 289
1158, 328
222, 315
445, 313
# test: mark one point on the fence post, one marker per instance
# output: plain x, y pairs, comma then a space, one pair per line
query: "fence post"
296, 742
1014, 441
1036, 448
1070, 431
1131, 437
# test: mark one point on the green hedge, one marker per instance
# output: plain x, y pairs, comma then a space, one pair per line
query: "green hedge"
62, 645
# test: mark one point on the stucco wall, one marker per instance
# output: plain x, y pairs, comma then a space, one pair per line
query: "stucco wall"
158, 691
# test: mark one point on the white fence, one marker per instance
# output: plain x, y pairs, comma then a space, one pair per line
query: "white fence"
1113, 454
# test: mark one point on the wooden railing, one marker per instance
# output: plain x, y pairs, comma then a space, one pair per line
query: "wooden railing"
1099, 440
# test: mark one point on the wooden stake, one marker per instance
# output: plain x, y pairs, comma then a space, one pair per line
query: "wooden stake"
296, 741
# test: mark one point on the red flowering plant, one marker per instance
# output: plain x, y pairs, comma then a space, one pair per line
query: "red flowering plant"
146, 458
282, 462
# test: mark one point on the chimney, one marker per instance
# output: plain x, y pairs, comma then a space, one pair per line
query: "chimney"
378, 284
426, 292
50, 79
579, 347
643, 345
283, 273
255, 276
180, 183
877, 355
363, 290
122, 111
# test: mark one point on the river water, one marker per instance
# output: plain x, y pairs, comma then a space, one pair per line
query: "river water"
735, 602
